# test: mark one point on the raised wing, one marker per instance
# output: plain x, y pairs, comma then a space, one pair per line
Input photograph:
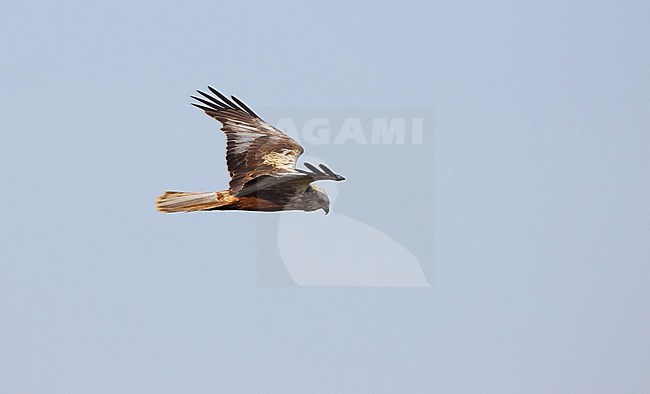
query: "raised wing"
254, 148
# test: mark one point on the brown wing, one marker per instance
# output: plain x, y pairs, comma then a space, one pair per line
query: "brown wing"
254, 148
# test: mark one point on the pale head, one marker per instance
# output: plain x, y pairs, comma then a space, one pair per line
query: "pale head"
315, 198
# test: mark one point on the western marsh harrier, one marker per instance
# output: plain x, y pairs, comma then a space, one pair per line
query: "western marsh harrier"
262, 164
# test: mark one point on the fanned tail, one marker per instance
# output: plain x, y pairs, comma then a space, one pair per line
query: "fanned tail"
172, 201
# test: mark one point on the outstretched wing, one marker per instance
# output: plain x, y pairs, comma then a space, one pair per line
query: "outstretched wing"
254, 148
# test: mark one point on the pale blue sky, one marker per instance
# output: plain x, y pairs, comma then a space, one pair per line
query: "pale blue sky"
540, 276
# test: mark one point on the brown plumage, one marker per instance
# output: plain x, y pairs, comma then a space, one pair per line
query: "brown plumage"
262, 164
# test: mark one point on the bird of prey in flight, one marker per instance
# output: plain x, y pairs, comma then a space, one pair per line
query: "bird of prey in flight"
262, 164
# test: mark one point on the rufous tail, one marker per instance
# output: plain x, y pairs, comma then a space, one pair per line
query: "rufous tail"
172, 201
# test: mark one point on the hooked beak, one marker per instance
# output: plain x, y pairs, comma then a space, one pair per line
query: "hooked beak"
326, 209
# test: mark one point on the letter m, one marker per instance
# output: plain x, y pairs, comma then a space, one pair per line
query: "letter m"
385, 132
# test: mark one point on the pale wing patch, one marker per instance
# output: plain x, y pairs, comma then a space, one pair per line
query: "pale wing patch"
254, 148
283, 159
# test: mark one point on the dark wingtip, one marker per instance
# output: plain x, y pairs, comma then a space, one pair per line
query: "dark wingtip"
244, 106
222, 102
223, 98
313, 168
213, 99
209, 111
326, 169
208, 103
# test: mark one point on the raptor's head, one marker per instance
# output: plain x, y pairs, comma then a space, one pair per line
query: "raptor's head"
317, 199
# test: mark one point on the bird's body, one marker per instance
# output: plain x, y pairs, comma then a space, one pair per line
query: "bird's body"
172, 201
262, 164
